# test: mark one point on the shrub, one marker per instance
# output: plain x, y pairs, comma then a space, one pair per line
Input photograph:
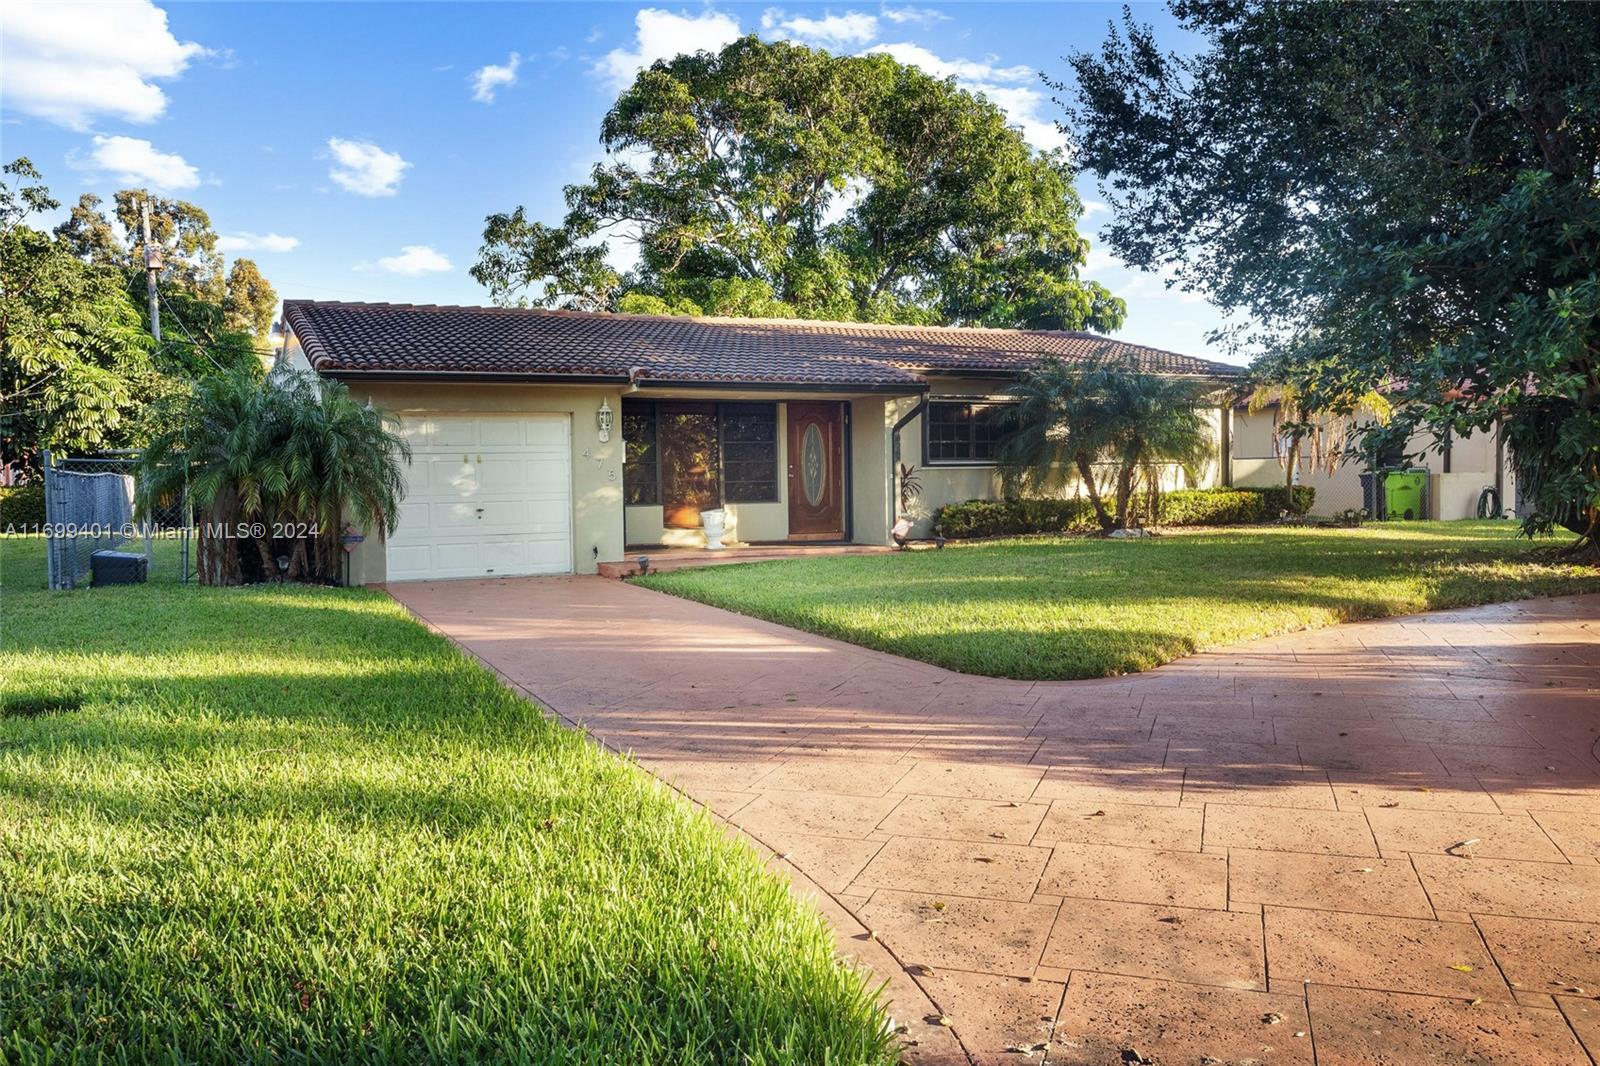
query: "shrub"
1213, 507
21, 506
1278, 498
1001, 518
1180, 507
1230, 507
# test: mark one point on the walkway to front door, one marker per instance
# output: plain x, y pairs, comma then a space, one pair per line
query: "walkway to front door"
1380, 841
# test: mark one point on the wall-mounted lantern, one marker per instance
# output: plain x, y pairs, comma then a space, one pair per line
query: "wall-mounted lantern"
602, 419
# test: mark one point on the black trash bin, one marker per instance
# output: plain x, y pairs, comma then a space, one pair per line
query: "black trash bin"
1372, 497
118, 568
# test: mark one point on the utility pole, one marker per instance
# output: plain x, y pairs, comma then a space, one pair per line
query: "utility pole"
152, 269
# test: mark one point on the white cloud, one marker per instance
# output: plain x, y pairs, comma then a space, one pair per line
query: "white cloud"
1161, 283
831, 31
244, 241
963, 70
1099, 260
1093, 207
1007, 88
1025, 108
132, 161
70, 63
662, 35
492, 77
916, 16
415, 259
365, 169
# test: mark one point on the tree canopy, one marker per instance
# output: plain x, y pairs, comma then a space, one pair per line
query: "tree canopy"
209, 319
77, 363
777, 180
1403, 195
75, 360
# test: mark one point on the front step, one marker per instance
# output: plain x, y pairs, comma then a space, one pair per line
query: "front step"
664, 559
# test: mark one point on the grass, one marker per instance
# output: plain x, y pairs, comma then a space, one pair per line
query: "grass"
289, 824
1064, 607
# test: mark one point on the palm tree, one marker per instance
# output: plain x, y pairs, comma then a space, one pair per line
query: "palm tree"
257, 457
1069, 419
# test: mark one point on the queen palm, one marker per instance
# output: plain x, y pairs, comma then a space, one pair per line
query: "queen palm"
1104, 424
257, 455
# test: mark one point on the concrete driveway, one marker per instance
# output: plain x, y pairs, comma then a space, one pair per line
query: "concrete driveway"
1378, 843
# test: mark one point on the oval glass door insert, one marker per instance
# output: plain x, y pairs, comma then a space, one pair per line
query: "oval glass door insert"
813, 465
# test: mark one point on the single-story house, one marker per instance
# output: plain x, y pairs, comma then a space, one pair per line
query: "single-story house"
547, 442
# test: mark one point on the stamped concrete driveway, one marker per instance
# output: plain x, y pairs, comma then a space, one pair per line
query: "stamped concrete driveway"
1378, 843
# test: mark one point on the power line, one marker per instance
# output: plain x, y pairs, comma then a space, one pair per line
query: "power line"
202, 348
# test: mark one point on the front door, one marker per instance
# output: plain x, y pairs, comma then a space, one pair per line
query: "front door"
816, 471
686, 434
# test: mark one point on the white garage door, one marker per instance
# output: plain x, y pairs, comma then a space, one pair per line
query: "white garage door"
485, 495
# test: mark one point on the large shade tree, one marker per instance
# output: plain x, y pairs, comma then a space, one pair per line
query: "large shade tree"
79, 370
773, 179
76, 364
1405, 196
211, 318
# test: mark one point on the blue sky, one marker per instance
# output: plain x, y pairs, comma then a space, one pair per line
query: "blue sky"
353, 150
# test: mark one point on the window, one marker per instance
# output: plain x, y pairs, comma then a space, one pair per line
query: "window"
749, 452
962, 432
741, 438
641, 464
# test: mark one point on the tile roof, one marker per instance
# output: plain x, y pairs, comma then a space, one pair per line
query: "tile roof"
396, 339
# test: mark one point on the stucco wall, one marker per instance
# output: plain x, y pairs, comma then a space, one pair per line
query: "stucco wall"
870, 480
944, 484
597, 512
1452, 495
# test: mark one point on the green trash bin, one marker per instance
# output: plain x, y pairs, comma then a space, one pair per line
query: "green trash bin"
1405, 493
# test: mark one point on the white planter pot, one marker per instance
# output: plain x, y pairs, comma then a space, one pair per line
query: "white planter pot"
715, 523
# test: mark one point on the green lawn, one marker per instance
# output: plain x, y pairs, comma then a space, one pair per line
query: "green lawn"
1066, 607
292, 825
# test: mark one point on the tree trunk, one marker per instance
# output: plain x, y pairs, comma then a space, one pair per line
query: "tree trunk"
1289, 466
1087, 474
297, 560
1124, 494
269, 565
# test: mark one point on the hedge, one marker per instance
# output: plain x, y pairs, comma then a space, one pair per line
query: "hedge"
1180, 507
1279, 499
21, 506
1227, 507
1212, 507
1003, 518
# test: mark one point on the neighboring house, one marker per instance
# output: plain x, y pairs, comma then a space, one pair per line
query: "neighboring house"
1458, 470
793, 427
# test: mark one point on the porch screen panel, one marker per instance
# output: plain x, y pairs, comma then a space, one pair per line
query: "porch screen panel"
749, 435
641, 466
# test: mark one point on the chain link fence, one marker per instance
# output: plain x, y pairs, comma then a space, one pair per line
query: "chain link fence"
89, 509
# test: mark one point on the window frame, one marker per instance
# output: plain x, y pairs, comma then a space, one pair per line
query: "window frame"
722, 409
969, 402
655, 451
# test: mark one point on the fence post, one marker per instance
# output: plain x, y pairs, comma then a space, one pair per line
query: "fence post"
54, 545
